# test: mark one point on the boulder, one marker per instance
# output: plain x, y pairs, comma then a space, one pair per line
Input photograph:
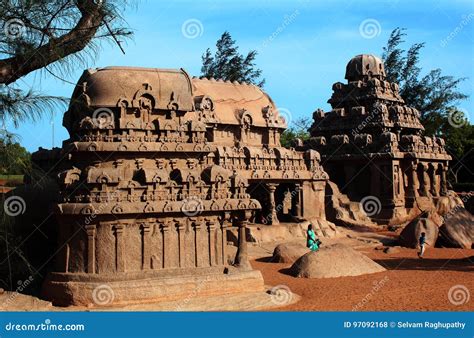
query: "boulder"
412, 231
457, 230
335, 260
342, 211
288, 253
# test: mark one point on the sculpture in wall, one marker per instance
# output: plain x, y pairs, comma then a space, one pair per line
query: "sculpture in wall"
157, 167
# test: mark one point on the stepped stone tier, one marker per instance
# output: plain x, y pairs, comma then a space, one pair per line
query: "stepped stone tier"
372, 144
157, 167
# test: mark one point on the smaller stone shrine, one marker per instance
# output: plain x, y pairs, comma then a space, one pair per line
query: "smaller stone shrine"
372, 145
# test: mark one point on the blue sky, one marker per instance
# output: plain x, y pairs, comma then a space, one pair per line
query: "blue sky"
303, 46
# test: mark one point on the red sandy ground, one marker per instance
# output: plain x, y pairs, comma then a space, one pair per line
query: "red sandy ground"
409, 284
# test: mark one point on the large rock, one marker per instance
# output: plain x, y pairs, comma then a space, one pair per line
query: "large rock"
288, 253
457, 230
342, 211
336, 260
412, 231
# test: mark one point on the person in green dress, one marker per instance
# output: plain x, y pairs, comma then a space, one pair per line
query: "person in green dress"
312, 241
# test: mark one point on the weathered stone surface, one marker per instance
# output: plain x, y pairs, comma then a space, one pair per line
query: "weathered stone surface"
457, 230
335, 260
288, 252
342, 211
411, 233
158, 167
14, 301
374, 149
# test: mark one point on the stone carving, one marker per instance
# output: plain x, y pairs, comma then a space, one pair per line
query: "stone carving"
375, 145
157, 167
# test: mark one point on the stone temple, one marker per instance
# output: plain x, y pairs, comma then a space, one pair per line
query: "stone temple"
372, 145
157, 168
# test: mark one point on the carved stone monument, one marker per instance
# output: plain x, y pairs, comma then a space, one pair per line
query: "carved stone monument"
372, 145
157, 167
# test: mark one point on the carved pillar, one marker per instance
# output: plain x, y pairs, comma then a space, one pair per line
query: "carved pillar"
91, 231
273, 213
145, 230
211, 226
424, 179
223, 228
434, 181
444, 183
299, 199
166, 256
197, 245
181, 243
119, 247
241, 259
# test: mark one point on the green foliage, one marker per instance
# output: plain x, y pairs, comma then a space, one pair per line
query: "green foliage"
298, 130
228, 64
434, 94
14, 159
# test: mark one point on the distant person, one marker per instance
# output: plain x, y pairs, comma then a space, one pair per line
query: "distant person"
312, 241
422, 243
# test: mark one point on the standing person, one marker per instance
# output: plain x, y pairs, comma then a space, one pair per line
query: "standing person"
422, 243
312, 242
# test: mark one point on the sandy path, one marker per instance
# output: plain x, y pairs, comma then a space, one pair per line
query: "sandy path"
410, 284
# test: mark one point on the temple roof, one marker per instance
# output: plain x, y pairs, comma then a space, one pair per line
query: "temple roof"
364, 66
105, 87
232, 100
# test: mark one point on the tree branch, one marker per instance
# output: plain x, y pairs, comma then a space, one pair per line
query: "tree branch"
92, 15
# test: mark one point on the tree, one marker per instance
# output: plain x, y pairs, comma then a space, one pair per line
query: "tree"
299, 130
14, 159
228, 64
53, 36
436, 96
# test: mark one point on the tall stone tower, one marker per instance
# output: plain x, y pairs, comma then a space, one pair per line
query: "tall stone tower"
372, 145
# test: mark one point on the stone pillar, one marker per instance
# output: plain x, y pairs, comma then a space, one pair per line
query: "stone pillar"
241, 259
434, 181
444, 182
166, 256
424, 182
223, 227
299, 199
119, 248
212, 242
273, 213
181, 243
197, 229
145, 229
91, 232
